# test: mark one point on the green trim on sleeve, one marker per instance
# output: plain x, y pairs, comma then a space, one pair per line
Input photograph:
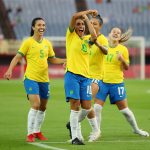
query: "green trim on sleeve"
51, 57
71, 30
20, 53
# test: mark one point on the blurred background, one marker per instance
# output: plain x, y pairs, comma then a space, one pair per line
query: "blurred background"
16, 17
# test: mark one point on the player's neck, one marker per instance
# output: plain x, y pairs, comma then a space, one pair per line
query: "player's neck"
113, 43
38, 38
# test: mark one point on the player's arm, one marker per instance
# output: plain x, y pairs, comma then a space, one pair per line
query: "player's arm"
125, 64
55, 60
12, 65
78, 15
101, 47
90, 28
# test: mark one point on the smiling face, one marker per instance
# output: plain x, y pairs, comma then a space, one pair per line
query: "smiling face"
80, 27
115, 34
96, 24
39, 28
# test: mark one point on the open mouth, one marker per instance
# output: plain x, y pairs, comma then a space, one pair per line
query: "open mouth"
115, 36
41, 30
81, 31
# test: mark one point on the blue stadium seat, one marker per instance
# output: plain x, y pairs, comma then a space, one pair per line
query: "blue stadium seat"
120, 13
57, 14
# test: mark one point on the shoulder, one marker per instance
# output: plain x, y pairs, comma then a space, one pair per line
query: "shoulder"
103, 40
70, 32
87, 36
47, 41
102, 37
29, 39
26, 41
122, 46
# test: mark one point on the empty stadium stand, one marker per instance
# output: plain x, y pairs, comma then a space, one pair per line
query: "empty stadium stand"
57, 14
124, 13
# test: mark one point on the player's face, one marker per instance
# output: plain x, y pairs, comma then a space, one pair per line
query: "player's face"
96, 24
80, 27
39, 28
115, 34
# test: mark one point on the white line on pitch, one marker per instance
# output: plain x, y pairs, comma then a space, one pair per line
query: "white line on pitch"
54, 142
109, 141
46, 146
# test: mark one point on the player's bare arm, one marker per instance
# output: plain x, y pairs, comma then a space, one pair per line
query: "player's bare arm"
90, 28
101, 47
79, 14
13, 63
125, 65
55, 60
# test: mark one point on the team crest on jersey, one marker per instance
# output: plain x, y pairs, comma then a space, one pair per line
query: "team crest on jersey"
46, 46
117, 52
84, 48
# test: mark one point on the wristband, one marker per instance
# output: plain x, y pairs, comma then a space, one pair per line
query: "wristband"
91, 43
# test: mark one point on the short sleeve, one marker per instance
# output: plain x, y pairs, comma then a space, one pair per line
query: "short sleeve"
24, 47
51, 51
126, 55
69, 34
104, 41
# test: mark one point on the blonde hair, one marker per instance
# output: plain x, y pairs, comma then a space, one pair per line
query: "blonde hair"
126, 36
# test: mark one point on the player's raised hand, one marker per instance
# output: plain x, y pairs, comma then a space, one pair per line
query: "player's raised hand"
94, 13
84, 17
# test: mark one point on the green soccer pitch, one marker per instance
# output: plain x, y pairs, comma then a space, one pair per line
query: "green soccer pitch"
116, 132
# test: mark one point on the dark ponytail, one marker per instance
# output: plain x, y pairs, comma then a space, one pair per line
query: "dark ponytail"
100, 19
33, 24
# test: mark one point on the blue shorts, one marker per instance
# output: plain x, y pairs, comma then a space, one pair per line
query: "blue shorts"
37, 88
98, 82
116, 92
77, 87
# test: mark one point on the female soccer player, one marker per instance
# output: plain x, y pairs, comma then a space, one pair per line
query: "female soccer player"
115, 62
99, 50
77, 82
38, 51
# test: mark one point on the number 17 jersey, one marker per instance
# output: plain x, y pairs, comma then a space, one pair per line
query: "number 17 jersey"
113, 71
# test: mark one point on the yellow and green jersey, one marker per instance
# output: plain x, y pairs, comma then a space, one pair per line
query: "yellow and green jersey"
77, 53
113, 72
97, 59
37, 54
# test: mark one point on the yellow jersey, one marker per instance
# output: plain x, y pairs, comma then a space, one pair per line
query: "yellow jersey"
37, 54
113, 71
97, 59
77, 53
